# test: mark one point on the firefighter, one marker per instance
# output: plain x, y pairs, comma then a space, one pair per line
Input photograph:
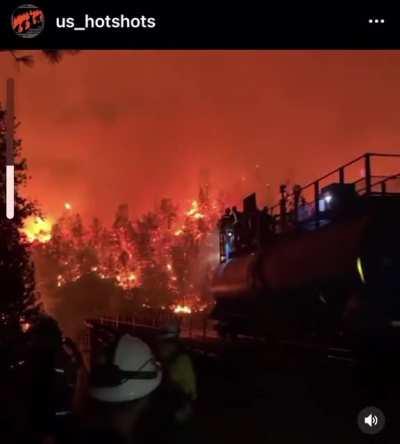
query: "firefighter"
227, 218
121, 384
51, 375
180, 379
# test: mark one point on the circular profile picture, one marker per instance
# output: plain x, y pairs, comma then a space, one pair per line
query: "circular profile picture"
27, 21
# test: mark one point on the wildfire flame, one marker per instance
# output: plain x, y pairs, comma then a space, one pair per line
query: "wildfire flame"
121, 261
183, 309
195, 211
37, 229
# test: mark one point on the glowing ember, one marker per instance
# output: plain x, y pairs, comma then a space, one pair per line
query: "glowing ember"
37, 229
67, 206
60, 280
25, 326
183, 309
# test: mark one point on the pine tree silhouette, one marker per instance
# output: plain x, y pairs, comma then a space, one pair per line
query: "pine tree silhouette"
18, 297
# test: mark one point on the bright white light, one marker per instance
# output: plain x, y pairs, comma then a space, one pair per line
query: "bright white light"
328, 198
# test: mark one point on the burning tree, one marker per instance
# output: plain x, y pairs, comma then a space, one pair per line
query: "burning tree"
18, 299
151, 240
161, 259
196, 252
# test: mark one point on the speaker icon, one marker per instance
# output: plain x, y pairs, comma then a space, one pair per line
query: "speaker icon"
371, 420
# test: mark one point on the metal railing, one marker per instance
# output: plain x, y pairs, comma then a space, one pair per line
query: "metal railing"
340, 175
192, 325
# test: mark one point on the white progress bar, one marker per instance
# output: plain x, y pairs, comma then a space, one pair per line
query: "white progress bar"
10, 191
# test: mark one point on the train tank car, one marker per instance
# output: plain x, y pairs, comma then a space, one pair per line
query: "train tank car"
326, 272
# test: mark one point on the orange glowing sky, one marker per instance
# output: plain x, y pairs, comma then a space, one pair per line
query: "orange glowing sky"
102, 128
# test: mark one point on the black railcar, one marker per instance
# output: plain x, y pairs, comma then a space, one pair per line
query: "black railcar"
325, 271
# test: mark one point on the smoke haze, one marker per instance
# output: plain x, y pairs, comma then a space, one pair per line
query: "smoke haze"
102, 128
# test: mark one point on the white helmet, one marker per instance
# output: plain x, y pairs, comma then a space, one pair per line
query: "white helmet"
131, 372
170, 330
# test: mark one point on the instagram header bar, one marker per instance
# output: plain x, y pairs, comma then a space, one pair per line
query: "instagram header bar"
194, 26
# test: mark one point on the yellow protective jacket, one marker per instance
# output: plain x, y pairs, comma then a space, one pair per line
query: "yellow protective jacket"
181, 373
